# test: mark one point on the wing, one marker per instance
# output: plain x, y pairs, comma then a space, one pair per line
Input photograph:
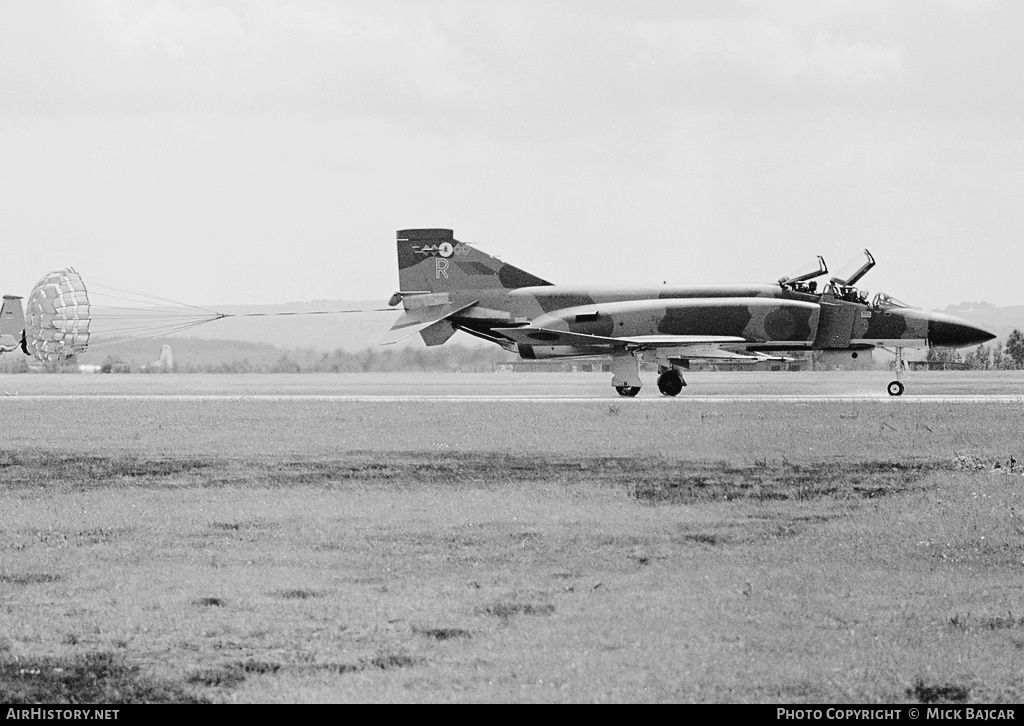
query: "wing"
681, 346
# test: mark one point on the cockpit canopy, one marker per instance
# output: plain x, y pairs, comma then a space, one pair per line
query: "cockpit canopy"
799, 279
853, 270
886, 301
842, 284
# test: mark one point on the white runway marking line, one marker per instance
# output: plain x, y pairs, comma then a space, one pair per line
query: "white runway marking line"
452, 398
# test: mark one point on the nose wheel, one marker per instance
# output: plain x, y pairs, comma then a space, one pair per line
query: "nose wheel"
895, 388
627, 391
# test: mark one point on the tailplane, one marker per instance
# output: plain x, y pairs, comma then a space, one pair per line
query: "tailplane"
432, 260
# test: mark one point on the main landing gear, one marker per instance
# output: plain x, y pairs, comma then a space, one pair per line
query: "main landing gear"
626, 374
626, 377
670, 382
895, 388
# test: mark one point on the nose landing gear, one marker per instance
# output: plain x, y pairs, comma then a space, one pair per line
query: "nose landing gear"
895, 388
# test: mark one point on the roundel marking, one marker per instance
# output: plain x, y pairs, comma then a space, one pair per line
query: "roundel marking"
446, 249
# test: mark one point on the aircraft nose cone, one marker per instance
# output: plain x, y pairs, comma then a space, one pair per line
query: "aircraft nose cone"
945, 331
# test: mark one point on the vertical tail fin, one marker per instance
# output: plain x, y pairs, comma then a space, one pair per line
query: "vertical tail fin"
432, 260
12, 323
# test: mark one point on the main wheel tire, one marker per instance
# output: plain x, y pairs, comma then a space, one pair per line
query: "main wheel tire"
627, 391
671, 383
895, 388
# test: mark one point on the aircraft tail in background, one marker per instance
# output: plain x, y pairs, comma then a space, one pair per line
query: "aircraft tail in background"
12, 323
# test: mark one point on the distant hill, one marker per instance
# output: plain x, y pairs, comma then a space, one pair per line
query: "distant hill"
260, 335
192, 355
318, 325
358, 331
324, 332
188, 352
999, 321
279, 337
263, 342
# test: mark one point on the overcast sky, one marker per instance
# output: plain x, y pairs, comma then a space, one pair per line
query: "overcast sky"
264, 152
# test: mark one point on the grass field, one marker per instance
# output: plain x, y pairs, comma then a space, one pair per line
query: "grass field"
306, 550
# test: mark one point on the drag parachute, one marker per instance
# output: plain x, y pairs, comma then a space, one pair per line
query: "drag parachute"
63, 319
57, 317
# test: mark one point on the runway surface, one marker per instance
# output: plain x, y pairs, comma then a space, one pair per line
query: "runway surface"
729, 416
484, 399
550, 388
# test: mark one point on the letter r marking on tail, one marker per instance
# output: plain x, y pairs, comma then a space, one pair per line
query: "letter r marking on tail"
440, 268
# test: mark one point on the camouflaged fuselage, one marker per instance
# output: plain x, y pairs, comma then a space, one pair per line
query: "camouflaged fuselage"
454, 285
752, 312
768, 317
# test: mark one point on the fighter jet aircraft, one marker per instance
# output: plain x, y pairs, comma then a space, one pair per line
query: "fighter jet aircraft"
447, 285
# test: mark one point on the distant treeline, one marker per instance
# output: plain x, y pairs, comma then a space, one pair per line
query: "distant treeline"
453, 358
1000, 357
1004, 355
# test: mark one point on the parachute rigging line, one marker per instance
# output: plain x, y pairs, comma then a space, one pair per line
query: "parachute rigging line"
307, 312
120, 315
63, 318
